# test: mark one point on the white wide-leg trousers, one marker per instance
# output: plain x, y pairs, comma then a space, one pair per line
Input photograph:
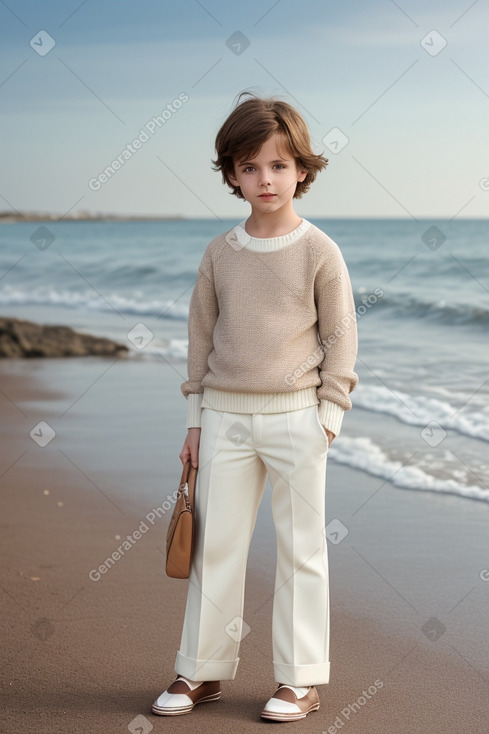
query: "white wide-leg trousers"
236, 452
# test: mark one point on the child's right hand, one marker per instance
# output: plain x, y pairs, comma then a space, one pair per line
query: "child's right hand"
190, 448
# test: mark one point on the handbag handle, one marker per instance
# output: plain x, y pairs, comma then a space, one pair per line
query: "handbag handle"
189, 475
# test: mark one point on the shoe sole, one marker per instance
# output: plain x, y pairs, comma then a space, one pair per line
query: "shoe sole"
184, 709
288, 717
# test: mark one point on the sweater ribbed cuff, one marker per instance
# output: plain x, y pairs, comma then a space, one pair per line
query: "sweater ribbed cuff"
194, 411
331, 416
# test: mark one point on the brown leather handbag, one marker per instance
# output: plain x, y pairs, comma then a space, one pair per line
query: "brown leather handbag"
180, 535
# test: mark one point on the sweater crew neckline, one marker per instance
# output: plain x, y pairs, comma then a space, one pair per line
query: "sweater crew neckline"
268, 244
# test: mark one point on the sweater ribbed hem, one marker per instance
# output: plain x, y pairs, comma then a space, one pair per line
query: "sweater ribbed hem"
246, 402
330, 414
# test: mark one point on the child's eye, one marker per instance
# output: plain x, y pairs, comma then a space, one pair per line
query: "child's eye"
246, 169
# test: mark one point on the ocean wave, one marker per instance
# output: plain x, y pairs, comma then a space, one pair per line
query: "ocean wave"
363, 454
418, 410
405, 305
441, 309
175, 350
90, 301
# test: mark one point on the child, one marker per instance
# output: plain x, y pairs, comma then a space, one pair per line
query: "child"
272, 347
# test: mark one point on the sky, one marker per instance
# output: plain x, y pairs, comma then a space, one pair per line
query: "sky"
399, 91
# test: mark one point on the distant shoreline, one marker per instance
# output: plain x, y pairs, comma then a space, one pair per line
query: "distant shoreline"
85, 216
82, 216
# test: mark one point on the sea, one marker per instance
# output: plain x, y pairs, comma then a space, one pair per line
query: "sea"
420, 417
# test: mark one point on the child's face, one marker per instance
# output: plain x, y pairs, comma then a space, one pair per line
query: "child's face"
273, 171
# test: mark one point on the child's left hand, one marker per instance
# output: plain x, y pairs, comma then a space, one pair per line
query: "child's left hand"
330, 436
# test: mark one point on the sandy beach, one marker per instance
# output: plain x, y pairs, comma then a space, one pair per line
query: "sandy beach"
88, 651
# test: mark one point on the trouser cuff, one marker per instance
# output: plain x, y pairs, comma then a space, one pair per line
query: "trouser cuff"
301, 675
204, 670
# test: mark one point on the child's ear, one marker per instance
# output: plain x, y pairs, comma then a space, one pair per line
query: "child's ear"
301, 175
233, 179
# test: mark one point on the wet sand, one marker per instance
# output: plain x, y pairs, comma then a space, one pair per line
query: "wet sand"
88, 652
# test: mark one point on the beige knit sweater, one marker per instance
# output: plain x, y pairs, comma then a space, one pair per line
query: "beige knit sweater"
272, 327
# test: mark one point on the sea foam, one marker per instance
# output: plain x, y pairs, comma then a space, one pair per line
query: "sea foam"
363, 454
419, 410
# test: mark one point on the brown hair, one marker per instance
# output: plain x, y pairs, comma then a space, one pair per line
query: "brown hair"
252, 123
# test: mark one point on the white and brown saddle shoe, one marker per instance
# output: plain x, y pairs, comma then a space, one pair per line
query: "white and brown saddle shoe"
181, 696
289, 703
